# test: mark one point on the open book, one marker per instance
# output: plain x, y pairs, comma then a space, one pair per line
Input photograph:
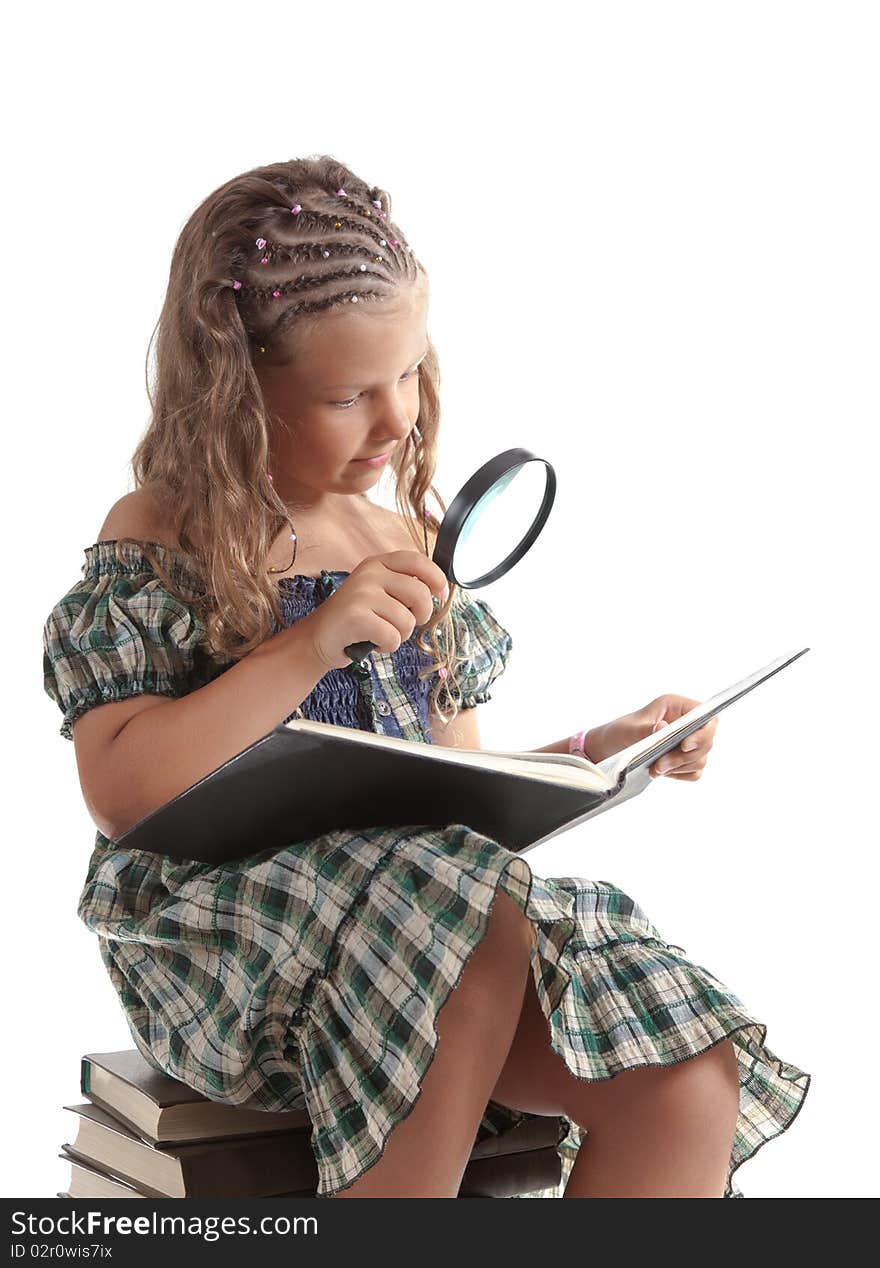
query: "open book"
304, 779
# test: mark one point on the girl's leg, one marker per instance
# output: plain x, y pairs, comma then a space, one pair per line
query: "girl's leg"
427, 1152
653, 1131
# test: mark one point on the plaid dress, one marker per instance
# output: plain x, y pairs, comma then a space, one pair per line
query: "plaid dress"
311, 976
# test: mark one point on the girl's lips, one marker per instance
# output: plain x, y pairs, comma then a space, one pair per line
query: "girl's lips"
374, 462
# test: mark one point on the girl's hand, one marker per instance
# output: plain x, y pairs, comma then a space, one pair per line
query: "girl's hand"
685, 761
382, 601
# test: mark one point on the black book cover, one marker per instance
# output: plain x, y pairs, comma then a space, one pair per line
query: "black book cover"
292, 785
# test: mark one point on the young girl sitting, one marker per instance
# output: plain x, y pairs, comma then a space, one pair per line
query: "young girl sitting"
416, 989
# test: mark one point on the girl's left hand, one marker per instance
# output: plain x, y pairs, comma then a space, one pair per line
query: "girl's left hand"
685, 761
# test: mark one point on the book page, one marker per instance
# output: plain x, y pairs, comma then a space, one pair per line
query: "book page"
553, 768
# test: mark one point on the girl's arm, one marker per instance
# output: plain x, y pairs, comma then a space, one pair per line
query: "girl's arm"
464, 732
593, 746
160, 752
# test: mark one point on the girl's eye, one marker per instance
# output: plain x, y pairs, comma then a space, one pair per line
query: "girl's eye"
348, 404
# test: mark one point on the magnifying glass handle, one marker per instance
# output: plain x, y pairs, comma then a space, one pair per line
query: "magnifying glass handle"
359, 651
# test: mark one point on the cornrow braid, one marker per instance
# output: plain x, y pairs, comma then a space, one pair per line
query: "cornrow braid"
366, 211
318, 306
295, 251
278, 289
332, 224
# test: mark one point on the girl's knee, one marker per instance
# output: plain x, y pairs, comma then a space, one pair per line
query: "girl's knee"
703, 1086
708, 1081
511, 934
492, 984
720, 1065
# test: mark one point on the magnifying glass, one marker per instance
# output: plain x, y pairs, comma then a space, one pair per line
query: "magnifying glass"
502, 507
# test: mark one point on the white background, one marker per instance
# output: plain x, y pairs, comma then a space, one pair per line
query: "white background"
652, 237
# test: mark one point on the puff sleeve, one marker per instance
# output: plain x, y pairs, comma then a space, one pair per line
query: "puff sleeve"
118, 632
484, 643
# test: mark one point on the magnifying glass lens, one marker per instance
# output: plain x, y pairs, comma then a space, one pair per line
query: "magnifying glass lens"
497, 525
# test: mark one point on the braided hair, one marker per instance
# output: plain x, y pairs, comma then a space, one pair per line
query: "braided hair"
337, 257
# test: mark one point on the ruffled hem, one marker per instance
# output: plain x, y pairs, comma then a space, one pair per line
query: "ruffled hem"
746, 1143
615, 994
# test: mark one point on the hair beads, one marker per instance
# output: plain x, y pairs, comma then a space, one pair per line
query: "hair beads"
262, 243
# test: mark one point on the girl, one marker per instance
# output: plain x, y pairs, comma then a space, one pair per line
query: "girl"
417, 989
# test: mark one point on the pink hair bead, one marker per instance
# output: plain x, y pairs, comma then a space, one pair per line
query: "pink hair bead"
236, 286
261, 242
340, 193
442, 671
269, 474
295, 209
377, 203
276, 294
265, 260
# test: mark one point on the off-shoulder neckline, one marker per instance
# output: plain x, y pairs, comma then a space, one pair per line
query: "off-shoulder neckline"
106, 550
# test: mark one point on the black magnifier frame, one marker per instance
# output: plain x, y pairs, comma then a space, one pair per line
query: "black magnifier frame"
458, 513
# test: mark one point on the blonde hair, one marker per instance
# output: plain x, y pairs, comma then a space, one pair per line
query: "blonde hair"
205, 452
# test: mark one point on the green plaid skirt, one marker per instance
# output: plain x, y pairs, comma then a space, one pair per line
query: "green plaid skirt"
312, 977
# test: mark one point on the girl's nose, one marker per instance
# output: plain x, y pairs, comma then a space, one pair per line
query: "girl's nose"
395, 422
404, 426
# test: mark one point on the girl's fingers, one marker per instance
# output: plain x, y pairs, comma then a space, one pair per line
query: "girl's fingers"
681, 772
670, 764
687, 762
699, 739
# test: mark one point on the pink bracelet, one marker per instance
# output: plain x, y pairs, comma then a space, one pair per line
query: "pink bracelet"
576, 744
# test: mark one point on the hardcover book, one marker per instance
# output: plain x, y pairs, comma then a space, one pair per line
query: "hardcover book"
307, 778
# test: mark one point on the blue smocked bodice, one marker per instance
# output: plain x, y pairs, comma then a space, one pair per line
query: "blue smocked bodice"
381, 693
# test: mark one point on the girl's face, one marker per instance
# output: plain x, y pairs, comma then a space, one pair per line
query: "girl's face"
351, 391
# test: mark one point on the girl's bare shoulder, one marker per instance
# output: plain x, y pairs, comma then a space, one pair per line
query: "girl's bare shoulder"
142, 515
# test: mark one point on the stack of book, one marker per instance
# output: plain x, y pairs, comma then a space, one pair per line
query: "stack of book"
141, 1134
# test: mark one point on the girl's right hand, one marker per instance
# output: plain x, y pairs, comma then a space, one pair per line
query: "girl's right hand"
382, 600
